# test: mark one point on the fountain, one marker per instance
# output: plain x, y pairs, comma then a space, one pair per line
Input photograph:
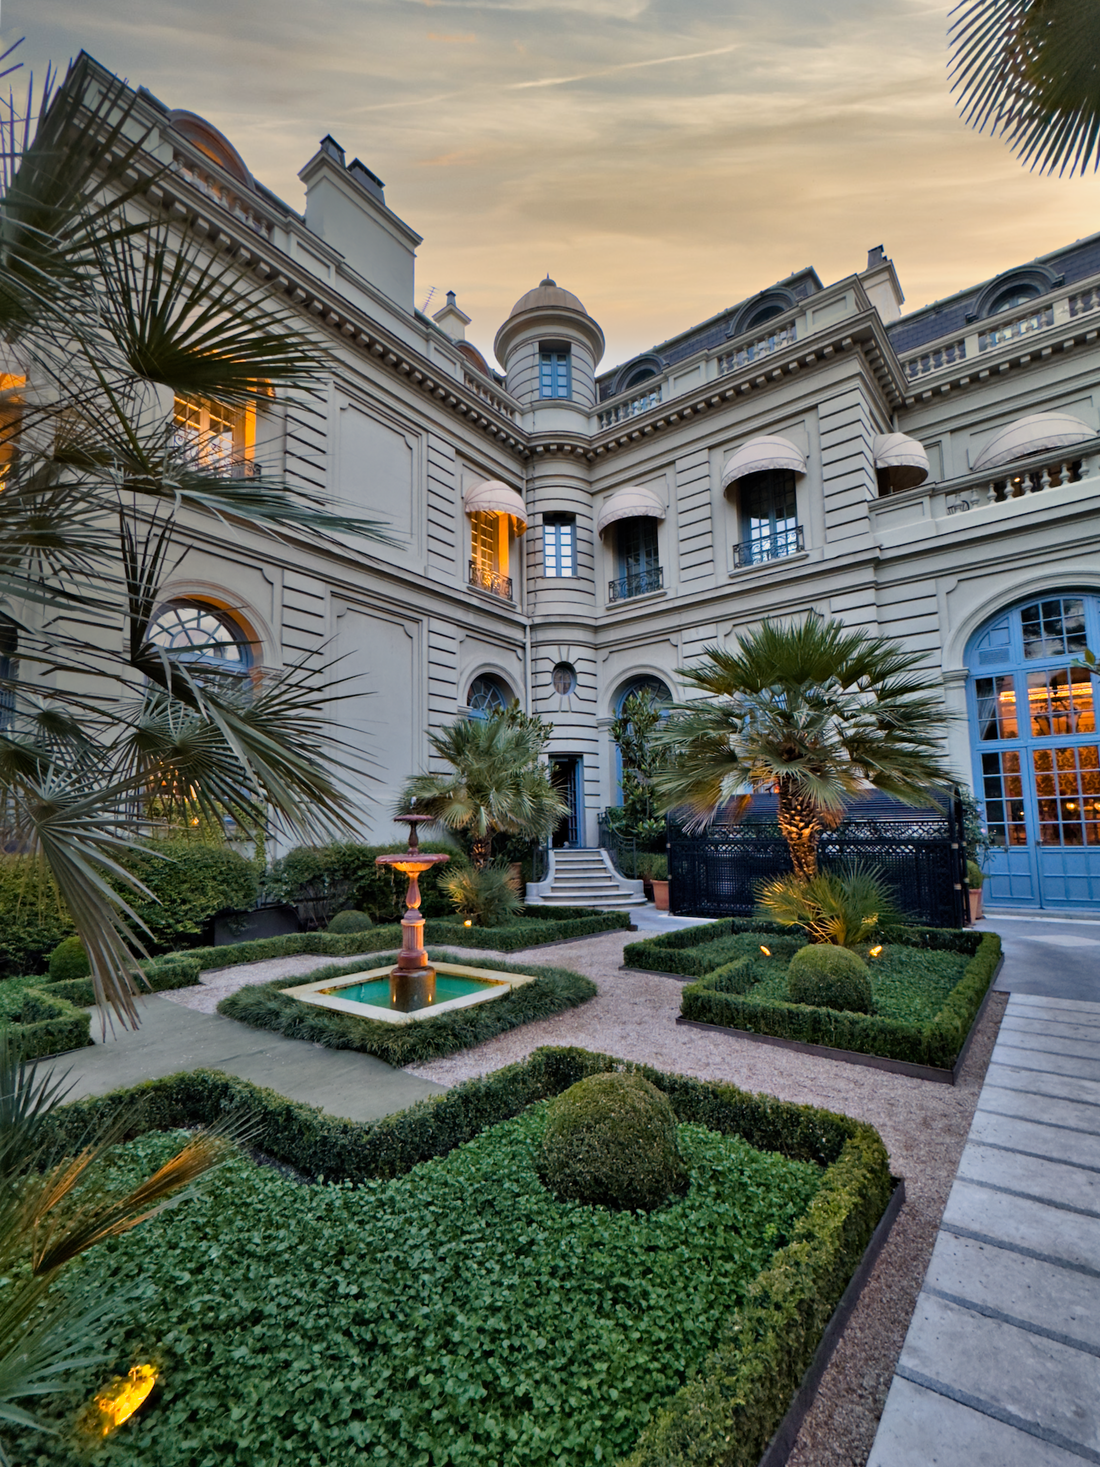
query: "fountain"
412, 981
413, 989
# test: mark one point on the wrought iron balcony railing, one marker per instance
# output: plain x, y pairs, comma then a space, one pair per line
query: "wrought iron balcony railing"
638, 583
769, 547
491, 581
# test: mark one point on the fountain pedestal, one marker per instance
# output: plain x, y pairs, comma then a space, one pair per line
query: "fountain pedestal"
412, 981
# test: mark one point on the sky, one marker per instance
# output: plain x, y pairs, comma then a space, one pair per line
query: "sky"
661, 160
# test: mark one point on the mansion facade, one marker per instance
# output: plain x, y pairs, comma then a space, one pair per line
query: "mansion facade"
568, 532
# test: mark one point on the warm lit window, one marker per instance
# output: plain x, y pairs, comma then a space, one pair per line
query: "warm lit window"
559, 545
215, 438
489, 552
11, 418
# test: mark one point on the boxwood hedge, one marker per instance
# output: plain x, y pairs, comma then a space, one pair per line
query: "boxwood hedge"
266, 1006
725, 996
730, 1409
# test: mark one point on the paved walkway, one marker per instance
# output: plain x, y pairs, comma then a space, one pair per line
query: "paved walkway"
1048, 956
172, 1038
1001, 1364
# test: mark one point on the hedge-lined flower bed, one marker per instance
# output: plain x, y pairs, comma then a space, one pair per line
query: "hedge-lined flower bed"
266, 1006
288, 1343
50, 1018
927, 988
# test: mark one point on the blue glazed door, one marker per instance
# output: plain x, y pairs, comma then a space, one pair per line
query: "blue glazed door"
1033, 726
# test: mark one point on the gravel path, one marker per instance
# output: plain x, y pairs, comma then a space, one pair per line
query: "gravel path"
924, 1126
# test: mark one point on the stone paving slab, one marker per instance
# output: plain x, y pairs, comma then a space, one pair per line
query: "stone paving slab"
1001, 1364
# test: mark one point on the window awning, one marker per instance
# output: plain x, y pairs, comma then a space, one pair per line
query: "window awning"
1034, 434
904, 459
493, 497
628, 504
760, 454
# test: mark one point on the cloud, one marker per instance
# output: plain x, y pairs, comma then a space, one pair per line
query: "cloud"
664, 159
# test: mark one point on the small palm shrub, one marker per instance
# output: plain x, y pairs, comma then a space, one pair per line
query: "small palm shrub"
489, 897
350, 921
610, 1141
69, 960
844, 908
828, 977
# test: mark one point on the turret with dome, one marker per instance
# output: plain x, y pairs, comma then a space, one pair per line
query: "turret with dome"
549, 348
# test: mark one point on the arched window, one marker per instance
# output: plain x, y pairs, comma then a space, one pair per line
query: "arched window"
1014, 295
202, 636
646, 684
1032, 707
642, 374
765, 313
487, 695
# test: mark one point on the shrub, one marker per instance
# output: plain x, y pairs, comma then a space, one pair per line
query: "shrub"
69, 960
975, 876
490, 896
32, 918
652, 866
829, 978
610, 1141
350, 921
843, 907
191, 880
321, 879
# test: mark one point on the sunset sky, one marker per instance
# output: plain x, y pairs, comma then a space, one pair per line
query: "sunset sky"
661, 160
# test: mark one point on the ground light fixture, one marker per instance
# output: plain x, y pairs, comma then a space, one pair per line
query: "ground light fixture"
765, 950
876, 950
119, 1399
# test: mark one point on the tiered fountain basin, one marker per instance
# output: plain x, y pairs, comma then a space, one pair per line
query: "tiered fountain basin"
371, 995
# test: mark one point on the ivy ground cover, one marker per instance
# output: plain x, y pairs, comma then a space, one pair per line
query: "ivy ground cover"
454, 1316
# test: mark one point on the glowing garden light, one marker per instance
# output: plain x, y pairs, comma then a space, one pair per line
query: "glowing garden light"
876, 950
118, 1401
765, 950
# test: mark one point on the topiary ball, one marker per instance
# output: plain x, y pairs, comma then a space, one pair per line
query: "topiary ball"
350, 921
69, 960
611, 1142
828, 977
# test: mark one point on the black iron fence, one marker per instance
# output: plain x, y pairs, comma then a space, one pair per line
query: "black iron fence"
923, 859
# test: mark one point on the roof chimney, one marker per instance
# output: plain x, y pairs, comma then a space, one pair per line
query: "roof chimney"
330, 146
452, 320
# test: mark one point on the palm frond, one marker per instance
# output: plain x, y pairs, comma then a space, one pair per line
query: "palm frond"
1029, 70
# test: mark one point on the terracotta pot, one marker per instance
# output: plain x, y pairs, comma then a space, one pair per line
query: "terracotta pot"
975, 894
515, 872
660, 895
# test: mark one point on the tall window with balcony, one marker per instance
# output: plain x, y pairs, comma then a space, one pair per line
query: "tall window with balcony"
216, 438
489, 553
555, 369
559, 545
769, 518
639, 560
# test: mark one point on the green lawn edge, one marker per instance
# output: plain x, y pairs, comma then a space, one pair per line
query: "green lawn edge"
265, 1006
726, 1415
936, 1043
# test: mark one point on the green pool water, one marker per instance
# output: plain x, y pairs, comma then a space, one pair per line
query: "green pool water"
377, 992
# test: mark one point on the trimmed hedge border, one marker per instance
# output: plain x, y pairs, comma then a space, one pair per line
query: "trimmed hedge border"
730, 1411
265, 1006
937, 1045
51, 1018
530, 931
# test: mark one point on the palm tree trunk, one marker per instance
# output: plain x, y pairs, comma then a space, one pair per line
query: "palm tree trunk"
480, 850
800, 825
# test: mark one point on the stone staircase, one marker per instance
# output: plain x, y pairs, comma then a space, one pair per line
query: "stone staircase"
585, 878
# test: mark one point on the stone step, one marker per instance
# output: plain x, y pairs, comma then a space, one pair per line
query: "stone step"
626, 899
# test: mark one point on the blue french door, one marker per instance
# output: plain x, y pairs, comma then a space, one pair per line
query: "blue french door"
1032, 711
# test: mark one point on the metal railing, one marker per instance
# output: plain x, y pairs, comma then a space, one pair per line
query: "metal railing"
637, 583
623, 849
769, 547
491, 581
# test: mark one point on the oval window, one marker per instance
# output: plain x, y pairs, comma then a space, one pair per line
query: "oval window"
565, 678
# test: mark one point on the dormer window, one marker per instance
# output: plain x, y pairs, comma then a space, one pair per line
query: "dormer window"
1015, 295
555, 369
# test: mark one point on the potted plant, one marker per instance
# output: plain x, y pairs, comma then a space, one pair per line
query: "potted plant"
975, 880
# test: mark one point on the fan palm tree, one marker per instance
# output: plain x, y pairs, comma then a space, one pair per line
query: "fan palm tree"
1030, 71
495, 784
815, 712
106, 320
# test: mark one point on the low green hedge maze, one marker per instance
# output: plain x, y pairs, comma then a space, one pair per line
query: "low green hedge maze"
729, 1410
265, 1006
50, 1018
728, 980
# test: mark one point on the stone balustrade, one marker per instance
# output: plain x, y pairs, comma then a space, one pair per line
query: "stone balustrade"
496, 400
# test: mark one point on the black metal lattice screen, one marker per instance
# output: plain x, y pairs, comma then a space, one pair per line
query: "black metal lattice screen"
923, 860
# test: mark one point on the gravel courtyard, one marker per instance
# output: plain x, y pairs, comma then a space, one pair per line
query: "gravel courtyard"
923, 1124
